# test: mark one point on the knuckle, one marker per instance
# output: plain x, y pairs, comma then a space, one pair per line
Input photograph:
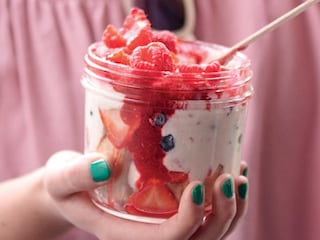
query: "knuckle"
57, 172
226, 211
229, 212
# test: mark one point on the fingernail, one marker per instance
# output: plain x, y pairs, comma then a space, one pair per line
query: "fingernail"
227, 188
242, 189
245, 172
197, 194
100, 171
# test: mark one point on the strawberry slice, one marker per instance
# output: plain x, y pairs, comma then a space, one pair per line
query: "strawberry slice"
118, 132
154, 200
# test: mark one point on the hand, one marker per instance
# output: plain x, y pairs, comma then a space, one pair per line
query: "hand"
67, 179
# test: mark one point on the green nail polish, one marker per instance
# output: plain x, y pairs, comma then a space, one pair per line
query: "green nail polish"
227, 188
242, 189
245, 172
197, 194
100, 170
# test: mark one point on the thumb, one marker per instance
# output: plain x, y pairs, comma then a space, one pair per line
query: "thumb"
69, 172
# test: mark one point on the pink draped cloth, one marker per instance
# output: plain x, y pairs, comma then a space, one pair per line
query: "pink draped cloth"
42, 43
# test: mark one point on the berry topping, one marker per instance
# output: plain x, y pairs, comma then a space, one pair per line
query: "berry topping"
135, 44
167, 143
154, 56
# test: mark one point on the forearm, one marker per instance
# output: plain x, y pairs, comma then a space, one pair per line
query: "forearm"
26, 210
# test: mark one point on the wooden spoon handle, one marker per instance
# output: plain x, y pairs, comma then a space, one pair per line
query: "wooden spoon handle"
267, 28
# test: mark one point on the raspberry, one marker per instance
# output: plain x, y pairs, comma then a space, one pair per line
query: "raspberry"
136, 29
154, 56
112, 39
198, 68
213, 66
189, 68
135, 15
167, 38
139, 38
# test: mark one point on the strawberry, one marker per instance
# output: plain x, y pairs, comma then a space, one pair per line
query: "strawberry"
118, 132
119, 160
154, 200
114, 155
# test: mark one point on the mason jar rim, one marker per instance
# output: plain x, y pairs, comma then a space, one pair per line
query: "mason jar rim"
102, 66
139, 85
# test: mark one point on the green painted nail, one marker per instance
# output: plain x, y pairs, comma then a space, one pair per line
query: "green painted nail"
197, 194
100, 170
227, 188
245, 172
242, 189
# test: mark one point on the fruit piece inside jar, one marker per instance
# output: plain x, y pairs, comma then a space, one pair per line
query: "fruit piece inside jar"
134, 131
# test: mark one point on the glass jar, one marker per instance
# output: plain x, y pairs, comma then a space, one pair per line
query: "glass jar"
161, 130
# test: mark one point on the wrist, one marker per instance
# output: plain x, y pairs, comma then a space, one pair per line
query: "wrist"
27, 210
56, 224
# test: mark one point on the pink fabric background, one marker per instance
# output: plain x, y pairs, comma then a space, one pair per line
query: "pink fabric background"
42, 43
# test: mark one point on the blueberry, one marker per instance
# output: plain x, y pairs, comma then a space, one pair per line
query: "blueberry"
159, 119
167, 143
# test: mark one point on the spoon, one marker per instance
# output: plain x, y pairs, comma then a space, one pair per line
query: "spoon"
243, 44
